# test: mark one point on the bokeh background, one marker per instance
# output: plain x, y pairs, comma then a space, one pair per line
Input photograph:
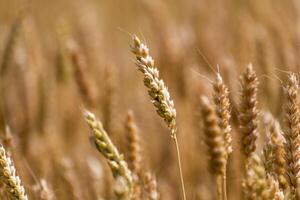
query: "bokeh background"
41, 120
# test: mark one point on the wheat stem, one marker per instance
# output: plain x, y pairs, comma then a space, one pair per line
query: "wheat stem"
179, 165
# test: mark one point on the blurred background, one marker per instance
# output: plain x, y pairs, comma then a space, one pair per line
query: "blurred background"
41, 43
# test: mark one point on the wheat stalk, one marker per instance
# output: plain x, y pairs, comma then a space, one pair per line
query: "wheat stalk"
115, 160
158, 93
8, 176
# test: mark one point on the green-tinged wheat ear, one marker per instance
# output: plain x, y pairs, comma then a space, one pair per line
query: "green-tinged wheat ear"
120, 170
259, 185
248, 112
8, 176
221, 99
292, 131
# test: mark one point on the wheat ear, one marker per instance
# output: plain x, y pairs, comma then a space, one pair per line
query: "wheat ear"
9, 178
248, 112
115, 160
259, 185
83, 82
215, 143
292, 131
158, 93
221, 99
134, 153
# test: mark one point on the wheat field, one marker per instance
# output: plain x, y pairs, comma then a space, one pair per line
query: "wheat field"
148, 100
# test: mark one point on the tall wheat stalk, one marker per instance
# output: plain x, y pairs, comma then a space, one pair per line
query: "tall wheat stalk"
158, 93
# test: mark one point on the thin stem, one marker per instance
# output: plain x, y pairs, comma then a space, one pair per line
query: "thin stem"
219, 186
179, 165
224, 192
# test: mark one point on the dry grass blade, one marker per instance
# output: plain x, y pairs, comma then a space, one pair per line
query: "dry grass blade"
8, 176
115, 160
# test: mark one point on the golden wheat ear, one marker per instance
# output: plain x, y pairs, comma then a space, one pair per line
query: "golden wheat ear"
9, 177
292, 132
248, 111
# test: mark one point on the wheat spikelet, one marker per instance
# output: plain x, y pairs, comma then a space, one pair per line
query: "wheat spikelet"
9, 178
157, 90
221, 99
248, 112
258, 185
213, 138
292, 131
115, 160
